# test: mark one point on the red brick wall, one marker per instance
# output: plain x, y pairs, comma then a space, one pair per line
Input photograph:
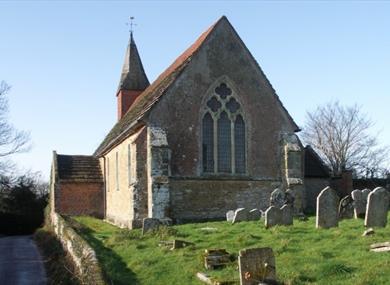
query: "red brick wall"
80, 199
125, 100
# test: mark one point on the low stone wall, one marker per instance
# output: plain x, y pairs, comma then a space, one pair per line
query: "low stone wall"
81, 253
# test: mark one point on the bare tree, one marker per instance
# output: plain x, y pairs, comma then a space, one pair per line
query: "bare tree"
11, 140
341, 136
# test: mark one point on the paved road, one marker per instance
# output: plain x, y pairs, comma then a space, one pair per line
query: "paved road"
20, 261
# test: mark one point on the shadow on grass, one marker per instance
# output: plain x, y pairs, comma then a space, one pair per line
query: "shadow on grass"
114, 268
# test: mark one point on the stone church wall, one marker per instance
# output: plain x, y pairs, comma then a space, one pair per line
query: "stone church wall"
126, 200
197, 200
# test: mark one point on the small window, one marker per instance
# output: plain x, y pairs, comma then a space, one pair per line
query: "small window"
117, 171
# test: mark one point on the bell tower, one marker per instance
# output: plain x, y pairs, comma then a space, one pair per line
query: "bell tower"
133, 79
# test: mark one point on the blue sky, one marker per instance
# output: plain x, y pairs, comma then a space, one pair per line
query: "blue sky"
63, 59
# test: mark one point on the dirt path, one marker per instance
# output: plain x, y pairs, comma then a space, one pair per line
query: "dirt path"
20, 261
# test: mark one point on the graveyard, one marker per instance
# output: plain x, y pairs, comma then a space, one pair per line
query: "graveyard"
303, 253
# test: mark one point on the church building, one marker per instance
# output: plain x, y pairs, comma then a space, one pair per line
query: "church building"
207, 136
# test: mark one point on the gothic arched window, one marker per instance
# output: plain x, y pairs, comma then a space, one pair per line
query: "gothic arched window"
223, 134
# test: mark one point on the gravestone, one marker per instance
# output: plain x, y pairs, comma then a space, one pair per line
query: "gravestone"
377, 207
289, 197
254, 215
346, 209
215, 258
277, 198
273, 217
365, 193
327, 209
150, 224
241, 214
287, 214
359, 203
256, 265
230, 216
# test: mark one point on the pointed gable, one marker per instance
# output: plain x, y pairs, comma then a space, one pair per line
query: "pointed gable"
158, 88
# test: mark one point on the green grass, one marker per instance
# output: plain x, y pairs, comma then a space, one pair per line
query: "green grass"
304, 255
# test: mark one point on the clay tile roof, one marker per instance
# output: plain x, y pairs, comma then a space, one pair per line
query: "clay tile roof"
314, 166
151, 95
79, 168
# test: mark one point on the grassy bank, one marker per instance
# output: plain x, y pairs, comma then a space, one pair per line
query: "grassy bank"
304, 255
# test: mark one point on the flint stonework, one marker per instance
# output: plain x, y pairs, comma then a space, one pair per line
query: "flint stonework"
377, 207
256, 265
327, 209
273, 217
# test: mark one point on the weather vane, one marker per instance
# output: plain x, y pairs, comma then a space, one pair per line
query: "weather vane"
131, 24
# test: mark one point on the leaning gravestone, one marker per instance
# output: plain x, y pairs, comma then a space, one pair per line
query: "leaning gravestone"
346, 209
277, 198
287, 214
241, 214
230, 216
150, 224
273, 217
254, 215
377, 207
327, 209
359, 204
256, 265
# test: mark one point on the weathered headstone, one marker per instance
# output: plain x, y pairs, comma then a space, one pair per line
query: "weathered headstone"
256, 265
287, 214
365, 193
359, 204
150, 224
273, 217
327, 209
289, 197
254, 215
377, 207
229, 215
277, 198
241, 214
346, 208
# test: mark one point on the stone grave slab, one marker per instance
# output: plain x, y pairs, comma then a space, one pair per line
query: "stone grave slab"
256, 265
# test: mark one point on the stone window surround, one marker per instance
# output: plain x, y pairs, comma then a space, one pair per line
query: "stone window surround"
215, 116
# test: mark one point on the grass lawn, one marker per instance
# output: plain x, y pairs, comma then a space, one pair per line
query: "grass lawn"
304, 255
